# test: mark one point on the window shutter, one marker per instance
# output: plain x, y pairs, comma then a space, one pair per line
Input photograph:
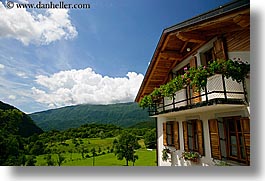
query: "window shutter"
219, 49
165, 134
214, 139
185, 135
200, 137
193, 63
176, 135
245, 122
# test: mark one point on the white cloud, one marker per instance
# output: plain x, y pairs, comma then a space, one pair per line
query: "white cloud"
2, 66
24, 1
31, 27
85, 86
12, 97
22, 74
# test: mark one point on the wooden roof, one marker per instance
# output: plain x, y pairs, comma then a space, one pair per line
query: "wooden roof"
193, 33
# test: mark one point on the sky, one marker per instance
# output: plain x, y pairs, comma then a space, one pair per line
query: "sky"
51, 58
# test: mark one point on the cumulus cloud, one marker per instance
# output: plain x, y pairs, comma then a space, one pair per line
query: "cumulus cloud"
12, 97
36, 28
2, 66
85, 86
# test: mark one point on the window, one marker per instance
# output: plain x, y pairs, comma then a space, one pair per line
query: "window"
209, 56
181, 71
230, 139
235, 139
170, 135
193, 136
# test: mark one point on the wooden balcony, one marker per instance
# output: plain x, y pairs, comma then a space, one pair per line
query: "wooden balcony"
219, 90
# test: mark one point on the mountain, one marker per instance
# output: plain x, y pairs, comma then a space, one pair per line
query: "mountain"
17, 121
122, 114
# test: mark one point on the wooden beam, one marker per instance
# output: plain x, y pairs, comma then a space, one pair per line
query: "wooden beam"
242, 20
191, 37
165, 43
220, 31
170, 54
183, 47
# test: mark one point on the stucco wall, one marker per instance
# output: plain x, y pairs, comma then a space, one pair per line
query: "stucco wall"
175, 155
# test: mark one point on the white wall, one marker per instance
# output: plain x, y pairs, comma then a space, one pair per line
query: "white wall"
206, 160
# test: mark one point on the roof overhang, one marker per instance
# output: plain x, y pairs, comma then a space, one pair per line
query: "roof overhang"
193, 33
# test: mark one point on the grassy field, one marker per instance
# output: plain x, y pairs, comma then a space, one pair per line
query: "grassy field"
146, 157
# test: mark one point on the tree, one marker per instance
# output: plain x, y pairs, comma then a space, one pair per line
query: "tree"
49, 160
93, 151
99, 150
38, 148
60, 159
150, 139
135, 157
83, 150
31, 160
125, 146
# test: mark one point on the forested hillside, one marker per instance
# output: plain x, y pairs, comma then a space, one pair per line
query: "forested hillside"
17, 120
123, 114
15, 127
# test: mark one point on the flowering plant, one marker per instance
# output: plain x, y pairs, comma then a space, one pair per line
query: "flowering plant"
197, 78
165, 155
237, 70
189, 155
200, 76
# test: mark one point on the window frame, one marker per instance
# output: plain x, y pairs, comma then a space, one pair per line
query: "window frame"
239, 155
170, 133
193, 136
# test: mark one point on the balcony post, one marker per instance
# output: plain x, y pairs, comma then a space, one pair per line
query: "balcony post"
163, 103
206, 94
187, 95
223, 79
173, 101
244, 89
155, 108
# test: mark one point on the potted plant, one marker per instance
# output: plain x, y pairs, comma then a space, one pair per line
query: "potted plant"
168, 89
237, 70
165, 153
190, 155
156, 94
146, 101
199, 77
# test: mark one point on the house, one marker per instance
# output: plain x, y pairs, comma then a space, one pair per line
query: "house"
214, 120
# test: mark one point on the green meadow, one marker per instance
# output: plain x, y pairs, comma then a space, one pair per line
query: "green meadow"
104, 158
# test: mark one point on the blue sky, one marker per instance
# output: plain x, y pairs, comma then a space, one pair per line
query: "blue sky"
55, 58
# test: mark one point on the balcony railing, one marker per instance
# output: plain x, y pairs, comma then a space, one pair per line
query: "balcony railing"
219, 90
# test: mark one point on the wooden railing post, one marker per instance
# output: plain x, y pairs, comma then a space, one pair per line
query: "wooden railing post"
225, 94
206, 94
163, 103
244, 90
173, 101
